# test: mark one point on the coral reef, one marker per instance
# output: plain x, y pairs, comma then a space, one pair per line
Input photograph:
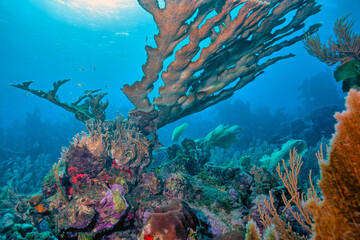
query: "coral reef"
199, 77
345, 49
85, 191
252, 231
24, 174
103, 186
11, 229
89, 195
315, 125
30, 147
190, 157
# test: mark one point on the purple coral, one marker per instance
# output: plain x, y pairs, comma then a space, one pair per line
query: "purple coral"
112, 208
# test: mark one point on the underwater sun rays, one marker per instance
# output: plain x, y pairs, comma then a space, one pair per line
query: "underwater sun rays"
98, 5
89, 12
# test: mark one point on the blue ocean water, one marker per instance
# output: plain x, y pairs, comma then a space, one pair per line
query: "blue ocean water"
100, 44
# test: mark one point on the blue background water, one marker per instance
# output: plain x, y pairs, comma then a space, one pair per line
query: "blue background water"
44, 42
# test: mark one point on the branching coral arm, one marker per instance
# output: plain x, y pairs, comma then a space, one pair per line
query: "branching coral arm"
269, 217
88, 106
289, 179
345, 48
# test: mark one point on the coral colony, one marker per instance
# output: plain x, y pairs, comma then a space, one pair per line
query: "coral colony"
103, 187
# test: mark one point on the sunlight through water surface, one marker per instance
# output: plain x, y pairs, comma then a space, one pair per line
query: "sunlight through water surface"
93, 13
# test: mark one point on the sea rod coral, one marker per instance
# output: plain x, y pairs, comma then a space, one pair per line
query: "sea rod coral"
344, 50
334, 214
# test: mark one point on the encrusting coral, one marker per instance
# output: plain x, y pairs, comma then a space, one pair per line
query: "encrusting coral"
119, 139
92, 177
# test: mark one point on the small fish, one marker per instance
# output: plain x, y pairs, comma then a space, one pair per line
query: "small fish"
79, 84
81, 69
94, 69
146, 39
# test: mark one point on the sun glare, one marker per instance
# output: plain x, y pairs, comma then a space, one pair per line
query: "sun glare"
90, 12
98, 5
101, 7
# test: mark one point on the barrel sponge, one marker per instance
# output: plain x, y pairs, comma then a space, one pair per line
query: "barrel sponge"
172, 222
337, 216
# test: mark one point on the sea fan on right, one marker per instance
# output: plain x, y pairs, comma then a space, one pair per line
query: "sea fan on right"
337, 216
344, 50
